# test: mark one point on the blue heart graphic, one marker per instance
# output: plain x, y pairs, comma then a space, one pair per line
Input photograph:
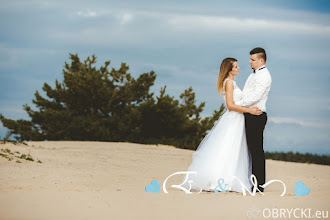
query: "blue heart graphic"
300, 189
153, 187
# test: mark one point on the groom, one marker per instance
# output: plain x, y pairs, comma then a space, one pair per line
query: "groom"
255, 94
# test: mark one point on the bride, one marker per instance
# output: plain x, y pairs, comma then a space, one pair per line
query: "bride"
223, 153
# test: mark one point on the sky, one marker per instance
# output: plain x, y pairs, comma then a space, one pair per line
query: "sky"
184, 42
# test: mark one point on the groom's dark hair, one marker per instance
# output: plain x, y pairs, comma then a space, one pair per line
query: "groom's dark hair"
260, 51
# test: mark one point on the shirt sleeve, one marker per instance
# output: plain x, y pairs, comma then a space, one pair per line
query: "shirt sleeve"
253, 95
244, 87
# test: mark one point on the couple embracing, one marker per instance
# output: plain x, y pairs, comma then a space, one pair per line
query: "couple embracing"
234, 146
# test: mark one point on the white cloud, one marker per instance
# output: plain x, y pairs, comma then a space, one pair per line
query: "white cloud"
302, 122
134, 27
87, 13
16, 57
225, 23
125, 18
183, 75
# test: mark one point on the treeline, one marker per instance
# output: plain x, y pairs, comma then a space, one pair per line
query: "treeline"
298, 157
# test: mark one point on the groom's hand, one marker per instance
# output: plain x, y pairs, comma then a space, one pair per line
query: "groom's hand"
255, 111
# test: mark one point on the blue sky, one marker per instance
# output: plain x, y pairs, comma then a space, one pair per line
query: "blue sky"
184, 43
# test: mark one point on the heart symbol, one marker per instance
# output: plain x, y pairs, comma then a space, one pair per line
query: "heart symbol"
300, 189
153, 187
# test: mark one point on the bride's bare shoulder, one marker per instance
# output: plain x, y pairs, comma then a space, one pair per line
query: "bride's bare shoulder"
229, 84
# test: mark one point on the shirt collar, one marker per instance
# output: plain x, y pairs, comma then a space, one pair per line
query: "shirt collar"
264, 66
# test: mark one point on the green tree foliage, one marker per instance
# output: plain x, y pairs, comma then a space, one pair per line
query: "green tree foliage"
298, 157
101, 105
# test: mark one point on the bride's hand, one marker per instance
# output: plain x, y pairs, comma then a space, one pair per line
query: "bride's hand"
255, 111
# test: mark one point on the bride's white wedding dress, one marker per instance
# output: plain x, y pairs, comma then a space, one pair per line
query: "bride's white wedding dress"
223, 153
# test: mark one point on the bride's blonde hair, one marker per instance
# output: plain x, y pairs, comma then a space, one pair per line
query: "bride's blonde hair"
225, 67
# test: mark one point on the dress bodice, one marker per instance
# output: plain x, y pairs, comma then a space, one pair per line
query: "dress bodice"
237, 93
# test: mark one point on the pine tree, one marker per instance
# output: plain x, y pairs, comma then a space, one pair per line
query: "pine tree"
101, 105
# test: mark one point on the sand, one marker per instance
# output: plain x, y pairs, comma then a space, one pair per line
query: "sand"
106, 180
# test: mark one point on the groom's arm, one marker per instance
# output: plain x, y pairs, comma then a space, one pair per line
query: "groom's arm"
246, 82
253, 95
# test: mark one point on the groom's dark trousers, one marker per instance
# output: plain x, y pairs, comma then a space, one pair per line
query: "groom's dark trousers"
254, 129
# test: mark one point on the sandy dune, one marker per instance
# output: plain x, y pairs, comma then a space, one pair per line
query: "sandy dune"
98, 180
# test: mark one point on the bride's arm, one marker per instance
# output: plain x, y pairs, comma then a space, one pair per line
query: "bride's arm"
229, 88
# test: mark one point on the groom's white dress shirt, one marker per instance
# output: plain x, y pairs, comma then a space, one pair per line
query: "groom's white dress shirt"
256, 88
